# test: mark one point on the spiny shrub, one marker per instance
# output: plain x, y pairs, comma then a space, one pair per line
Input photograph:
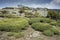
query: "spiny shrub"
46, 20
39, 19
13, 12
13, 24
53, 23
58, 24
28, 15
19, 35
7, 15
34, 20
55, 31
48, 33
41, 26
51, 32
15, 34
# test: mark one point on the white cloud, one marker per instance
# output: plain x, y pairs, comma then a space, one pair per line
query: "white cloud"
52, 5
56, 1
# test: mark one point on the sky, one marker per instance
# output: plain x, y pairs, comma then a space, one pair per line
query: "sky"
51, 4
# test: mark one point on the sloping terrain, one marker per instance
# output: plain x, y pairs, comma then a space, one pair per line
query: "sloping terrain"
29, 34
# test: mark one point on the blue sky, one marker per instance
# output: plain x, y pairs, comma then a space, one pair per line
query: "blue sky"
51, 4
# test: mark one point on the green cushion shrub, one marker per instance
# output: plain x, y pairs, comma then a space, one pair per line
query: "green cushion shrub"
46, 20
34, 20
58, 24
13, 12
8, 15
13, 24
41, 26
40, 19
15, 34
55, 30
53, 23
28, 15
36, 14
18, 35
48, 33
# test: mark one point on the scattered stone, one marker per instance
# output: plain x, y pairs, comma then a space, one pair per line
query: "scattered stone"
35, 34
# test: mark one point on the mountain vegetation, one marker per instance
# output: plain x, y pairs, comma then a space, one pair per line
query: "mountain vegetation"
16, 26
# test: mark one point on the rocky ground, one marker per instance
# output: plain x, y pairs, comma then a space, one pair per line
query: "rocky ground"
29, 34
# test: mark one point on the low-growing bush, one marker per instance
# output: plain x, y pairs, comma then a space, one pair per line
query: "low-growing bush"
48, 33
8, 15
58, 24
10, 34
53, 23
36, 14
51, 32
46, 20
41, 26
34, 20
13, 12
39, 19
19, 35
13, 24
28, 15
15, 34
55, 31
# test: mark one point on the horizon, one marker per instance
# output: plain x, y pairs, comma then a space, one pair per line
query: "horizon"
28, 6
50, 4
